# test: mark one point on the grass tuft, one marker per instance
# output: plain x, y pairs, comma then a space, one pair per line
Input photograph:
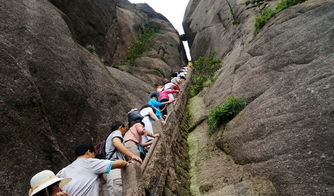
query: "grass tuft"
158, 69
91, 48
205, 68
143, 43
222, 114
266, 14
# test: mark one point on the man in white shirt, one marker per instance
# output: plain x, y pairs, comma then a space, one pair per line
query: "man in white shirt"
85, 171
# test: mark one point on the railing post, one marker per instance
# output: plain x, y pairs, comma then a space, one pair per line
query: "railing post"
133, 172
131, 178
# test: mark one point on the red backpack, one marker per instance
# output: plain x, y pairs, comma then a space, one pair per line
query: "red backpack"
100, 150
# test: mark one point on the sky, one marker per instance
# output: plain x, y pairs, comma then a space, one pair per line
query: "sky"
173, 10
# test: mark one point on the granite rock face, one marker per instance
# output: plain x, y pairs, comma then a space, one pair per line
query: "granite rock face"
54, 93
287, 72
167, 46
89, 28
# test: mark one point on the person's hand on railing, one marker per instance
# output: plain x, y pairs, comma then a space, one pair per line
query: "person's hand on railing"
119, 164
124, 163
60, 194
156, 135
171, 101
136, 158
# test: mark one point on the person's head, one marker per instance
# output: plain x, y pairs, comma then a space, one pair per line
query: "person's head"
154, 95
174, 74
165, 81
179, 81
118, 126
46, 183
183, 77
159, 88
85, 148
135, 122
53, 189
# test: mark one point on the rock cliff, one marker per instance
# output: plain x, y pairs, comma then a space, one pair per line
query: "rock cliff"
55, 93
286, 71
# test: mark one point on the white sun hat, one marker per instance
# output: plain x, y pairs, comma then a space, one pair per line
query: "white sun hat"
44, 179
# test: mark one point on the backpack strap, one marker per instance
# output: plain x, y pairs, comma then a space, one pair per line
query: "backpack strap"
112, 154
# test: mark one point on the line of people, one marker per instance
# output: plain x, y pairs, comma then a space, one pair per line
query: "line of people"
90, 176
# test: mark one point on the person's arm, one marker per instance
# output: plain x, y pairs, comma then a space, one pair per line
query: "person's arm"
168, 102
171, 91
153, 116
156, 103
151, 141
119, 164
153, 135
147, 143
142, 131
121, 148
176, 87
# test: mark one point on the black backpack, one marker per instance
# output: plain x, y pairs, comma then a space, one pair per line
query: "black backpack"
100, 150
134, 115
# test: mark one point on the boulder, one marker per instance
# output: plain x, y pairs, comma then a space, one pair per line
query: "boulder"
92, 23
54, 93
138, 88
145, 8
130, 24
209, 27
286, 72
166, 40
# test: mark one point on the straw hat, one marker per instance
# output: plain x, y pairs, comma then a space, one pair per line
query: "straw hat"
44, 179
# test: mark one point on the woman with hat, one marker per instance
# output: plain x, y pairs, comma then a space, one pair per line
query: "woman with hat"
46, 183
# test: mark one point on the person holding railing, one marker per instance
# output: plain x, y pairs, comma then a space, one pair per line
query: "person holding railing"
115, 150
148, 112
85, 171
164, 97
132, 138
154, 97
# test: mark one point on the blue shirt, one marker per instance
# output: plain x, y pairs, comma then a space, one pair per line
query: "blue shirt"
156, 104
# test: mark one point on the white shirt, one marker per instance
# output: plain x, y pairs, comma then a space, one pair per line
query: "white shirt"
148, 125
84, 173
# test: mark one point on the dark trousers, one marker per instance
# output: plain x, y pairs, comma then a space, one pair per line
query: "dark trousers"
163, 108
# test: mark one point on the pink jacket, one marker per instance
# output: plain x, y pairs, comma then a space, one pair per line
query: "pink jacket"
164, 94
135, 132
